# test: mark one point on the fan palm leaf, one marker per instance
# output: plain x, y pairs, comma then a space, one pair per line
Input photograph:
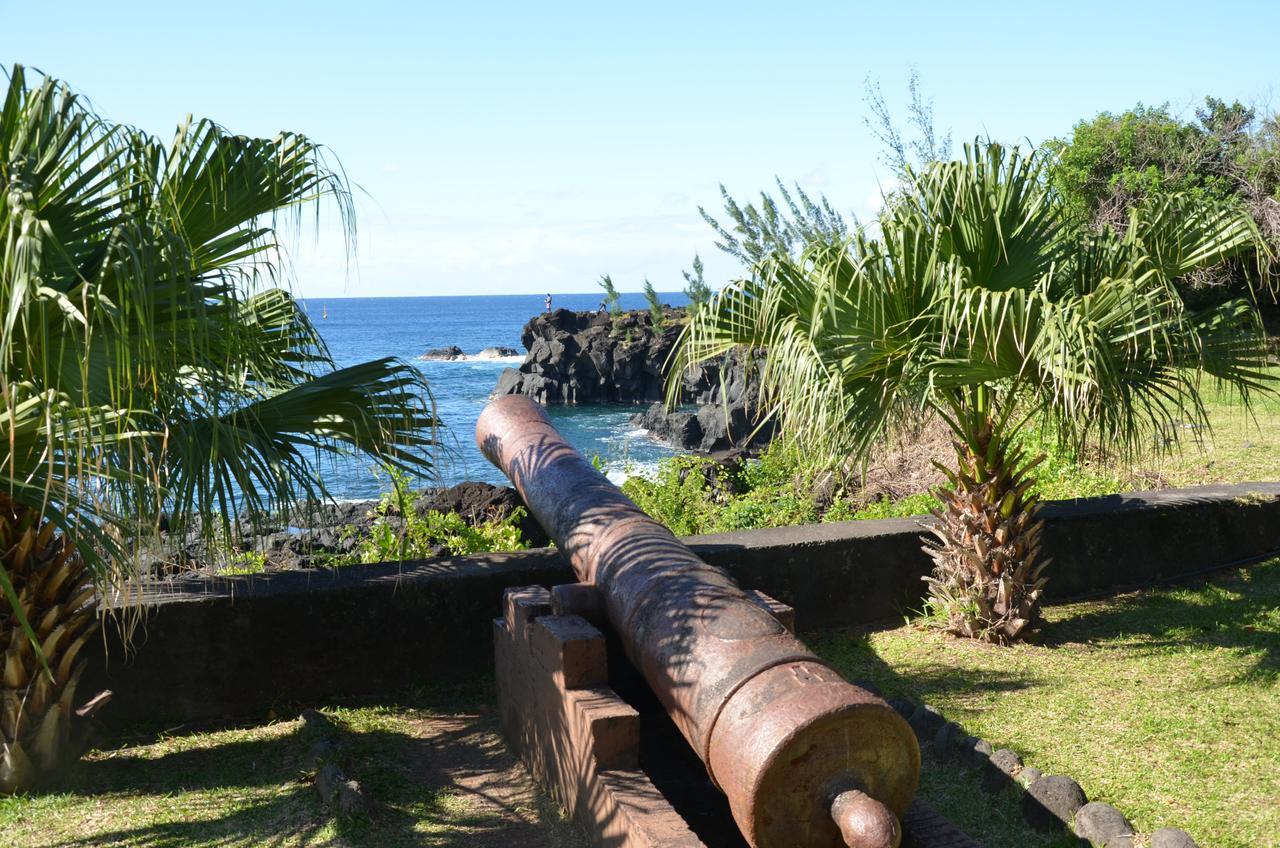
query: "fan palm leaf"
152, 361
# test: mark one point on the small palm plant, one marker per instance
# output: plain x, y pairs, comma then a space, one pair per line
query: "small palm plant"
978, 301
150, 363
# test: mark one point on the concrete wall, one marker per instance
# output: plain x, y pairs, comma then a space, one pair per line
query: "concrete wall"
241, 646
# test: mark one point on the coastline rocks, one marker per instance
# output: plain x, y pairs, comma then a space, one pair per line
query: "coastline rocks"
443, 354
592, 357
498, 352
725, 417
677, 427
595, 357
453, 353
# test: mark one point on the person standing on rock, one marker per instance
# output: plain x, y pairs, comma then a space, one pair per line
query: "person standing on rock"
548, 301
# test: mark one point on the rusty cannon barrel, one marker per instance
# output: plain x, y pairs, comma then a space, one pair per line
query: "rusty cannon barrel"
806, 759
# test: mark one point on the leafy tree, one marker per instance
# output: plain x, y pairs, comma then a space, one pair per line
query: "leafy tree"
656, 315
149, 364
696, 288
612, 301
752, 232
980, 299
1113, 163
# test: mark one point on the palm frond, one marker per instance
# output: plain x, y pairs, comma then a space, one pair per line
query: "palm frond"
146, 282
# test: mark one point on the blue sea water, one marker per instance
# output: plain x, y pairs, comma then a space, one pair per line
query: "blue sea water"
360, 329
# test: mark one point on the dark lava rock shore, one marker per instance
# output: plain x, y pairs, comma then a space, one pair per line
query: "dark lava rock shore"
595, 357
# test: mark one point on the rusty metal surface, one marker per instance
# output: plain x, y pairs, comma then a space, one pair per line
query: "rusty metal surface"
781, 733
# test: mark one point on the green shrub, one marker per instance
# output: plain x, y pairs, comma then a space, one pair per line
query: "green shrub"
420, 534
777, 489
921, 503
656, 316
678, 495
245, 563
772, 491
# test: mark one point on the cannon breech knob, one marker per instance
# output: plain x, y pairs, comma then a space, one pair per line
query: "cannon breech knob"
864, 822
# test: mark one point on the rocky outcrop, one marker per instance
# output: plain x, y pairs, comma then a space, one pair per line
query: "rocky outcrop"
499, 352
443, 354
719, 411
594, 357
453, 353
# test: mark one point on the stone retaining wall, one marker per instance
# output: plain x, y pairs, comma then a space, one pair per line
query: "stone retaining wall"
241, 646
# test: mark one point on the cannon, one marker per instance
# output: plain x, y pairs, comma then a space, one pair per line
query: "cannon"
805, 759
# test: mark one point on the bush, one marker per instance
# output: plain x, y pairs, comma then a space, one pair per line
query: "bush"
400, 531
694, 494
679, 495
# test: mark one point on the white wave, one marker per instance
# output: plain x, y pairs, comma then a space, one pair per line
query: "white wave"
471, 357
619, 474
638, 433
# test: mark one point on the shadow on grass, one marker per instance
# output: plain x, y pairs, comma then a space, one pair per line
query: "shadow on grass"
988, 814
852, 654
451, 784
1238, 610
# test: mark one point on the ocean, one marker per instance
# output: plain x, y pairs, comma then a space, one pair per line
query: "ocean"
364, 328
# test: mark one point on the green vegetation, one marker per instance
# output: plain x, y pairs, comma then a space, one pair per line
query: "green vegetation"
754, 233
1163, 703
904, 156
151, 366
1112, 163
693, 494
981, 300
696, 495
245, 564
611, 301
695, 285
656, 315
402, 531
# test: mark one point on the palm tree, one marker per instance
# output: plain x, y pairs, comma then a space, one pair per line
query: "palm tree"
151, 362
976, 300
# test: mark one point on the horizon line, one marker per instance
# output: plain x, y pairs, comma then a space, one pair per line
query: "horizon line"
554, 294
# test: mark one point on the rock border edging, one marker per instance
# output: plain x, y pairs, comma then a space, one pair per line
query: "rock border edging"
1049, 801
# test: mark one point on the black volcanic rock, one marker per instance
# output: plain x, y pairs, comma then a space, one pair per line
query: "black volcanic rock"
595, 357
592, 357
497, 352
443, 354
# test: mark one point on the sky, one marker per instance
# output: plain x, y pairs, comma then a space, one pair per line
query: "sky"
531, 147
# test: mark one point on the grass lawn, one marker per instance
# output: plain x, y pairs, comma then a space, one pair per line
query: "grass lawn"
1165, 704
1241, 447
436, 777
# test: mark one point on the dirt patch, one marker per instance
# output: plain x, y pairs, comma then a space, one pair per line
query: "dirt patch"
465, 758
905, 465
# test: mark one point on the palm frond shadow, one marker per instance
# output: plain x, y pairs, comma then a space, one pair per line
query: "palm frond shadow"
411, 780
1149, 623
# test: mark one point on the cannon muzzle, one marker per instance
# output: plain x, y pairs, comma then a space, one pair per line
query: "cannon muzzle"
806, 759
